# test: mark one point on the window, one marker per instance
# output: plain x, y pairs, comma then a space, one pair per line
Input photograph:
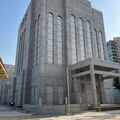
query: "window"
81, 38
21, 52
101, 46
36, 32
60, 95
23, 45
82, 87
34, 95
49, 95
50, 38
19, 56
89, 42
73, 39
96, 43
36, 43
59, 39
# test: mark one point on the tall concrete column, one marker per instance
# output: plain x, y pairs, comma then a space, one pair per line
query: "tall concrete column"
42, 54
80, 95
93, 81
102, 90
27, 89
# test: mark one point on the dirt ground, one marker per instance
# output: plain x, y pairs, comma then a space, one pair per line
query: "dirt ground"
8, 114
109, 115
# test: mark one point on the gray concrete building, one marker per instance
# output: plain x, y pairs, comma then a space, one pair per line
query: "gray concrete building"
117, 43
6, 86
109, 89
112, 52
55, 37
113, 47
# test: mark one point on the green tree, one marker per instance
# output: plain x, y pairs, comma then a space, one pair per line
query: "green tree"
116, 83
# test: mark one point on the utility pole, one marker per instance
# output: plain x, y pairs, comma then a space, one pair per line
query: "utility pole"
68, 89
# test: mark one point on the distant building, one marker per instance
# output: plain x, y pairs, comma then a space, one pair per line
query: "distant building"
61, 56
112, 51
113, 47
117, 44
6, 86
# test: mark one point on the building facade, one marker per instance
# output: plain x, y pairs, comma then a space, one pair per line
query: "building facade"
53, 35
117, 43
114, 49
6, 86
114, 56
112, 53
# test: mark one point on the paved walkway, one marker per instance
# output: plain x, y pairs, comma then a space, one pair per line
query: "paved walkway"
4, 108
6, 111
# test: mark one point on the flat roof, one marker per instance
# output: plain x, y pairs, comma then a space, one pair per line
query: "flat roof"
3, 72
96, 62
100, 67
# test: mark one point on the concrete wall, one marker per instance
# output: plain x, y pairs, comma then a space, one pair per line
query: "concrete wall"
54, 110
6, 86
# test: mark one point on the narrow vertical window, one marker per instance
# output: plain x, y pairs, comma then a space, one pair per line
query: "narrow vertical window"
101, 48
81, 39
73, 39
33, 95
89, 42
36, 43
23, 44
19, 53
59, 39
60, 95
96, 43
38, 39
50, 38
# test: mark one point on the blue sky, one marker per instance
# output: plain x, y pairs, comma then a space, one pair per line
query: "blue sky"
12, 11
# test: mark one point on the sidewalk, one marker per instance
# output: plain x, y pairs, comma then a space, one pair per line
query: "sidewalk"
8, 112
4, 108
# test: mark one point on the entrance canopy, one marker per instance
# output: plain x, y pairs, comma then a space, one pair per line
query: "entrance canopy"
98, 67
3, 72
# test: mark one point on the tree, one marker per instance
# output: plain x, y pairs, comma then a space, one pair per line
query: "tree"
116, 83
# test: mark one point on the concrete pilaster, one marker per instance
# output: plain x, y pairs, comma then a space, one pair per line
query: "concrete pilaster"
80, 95
102, 90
